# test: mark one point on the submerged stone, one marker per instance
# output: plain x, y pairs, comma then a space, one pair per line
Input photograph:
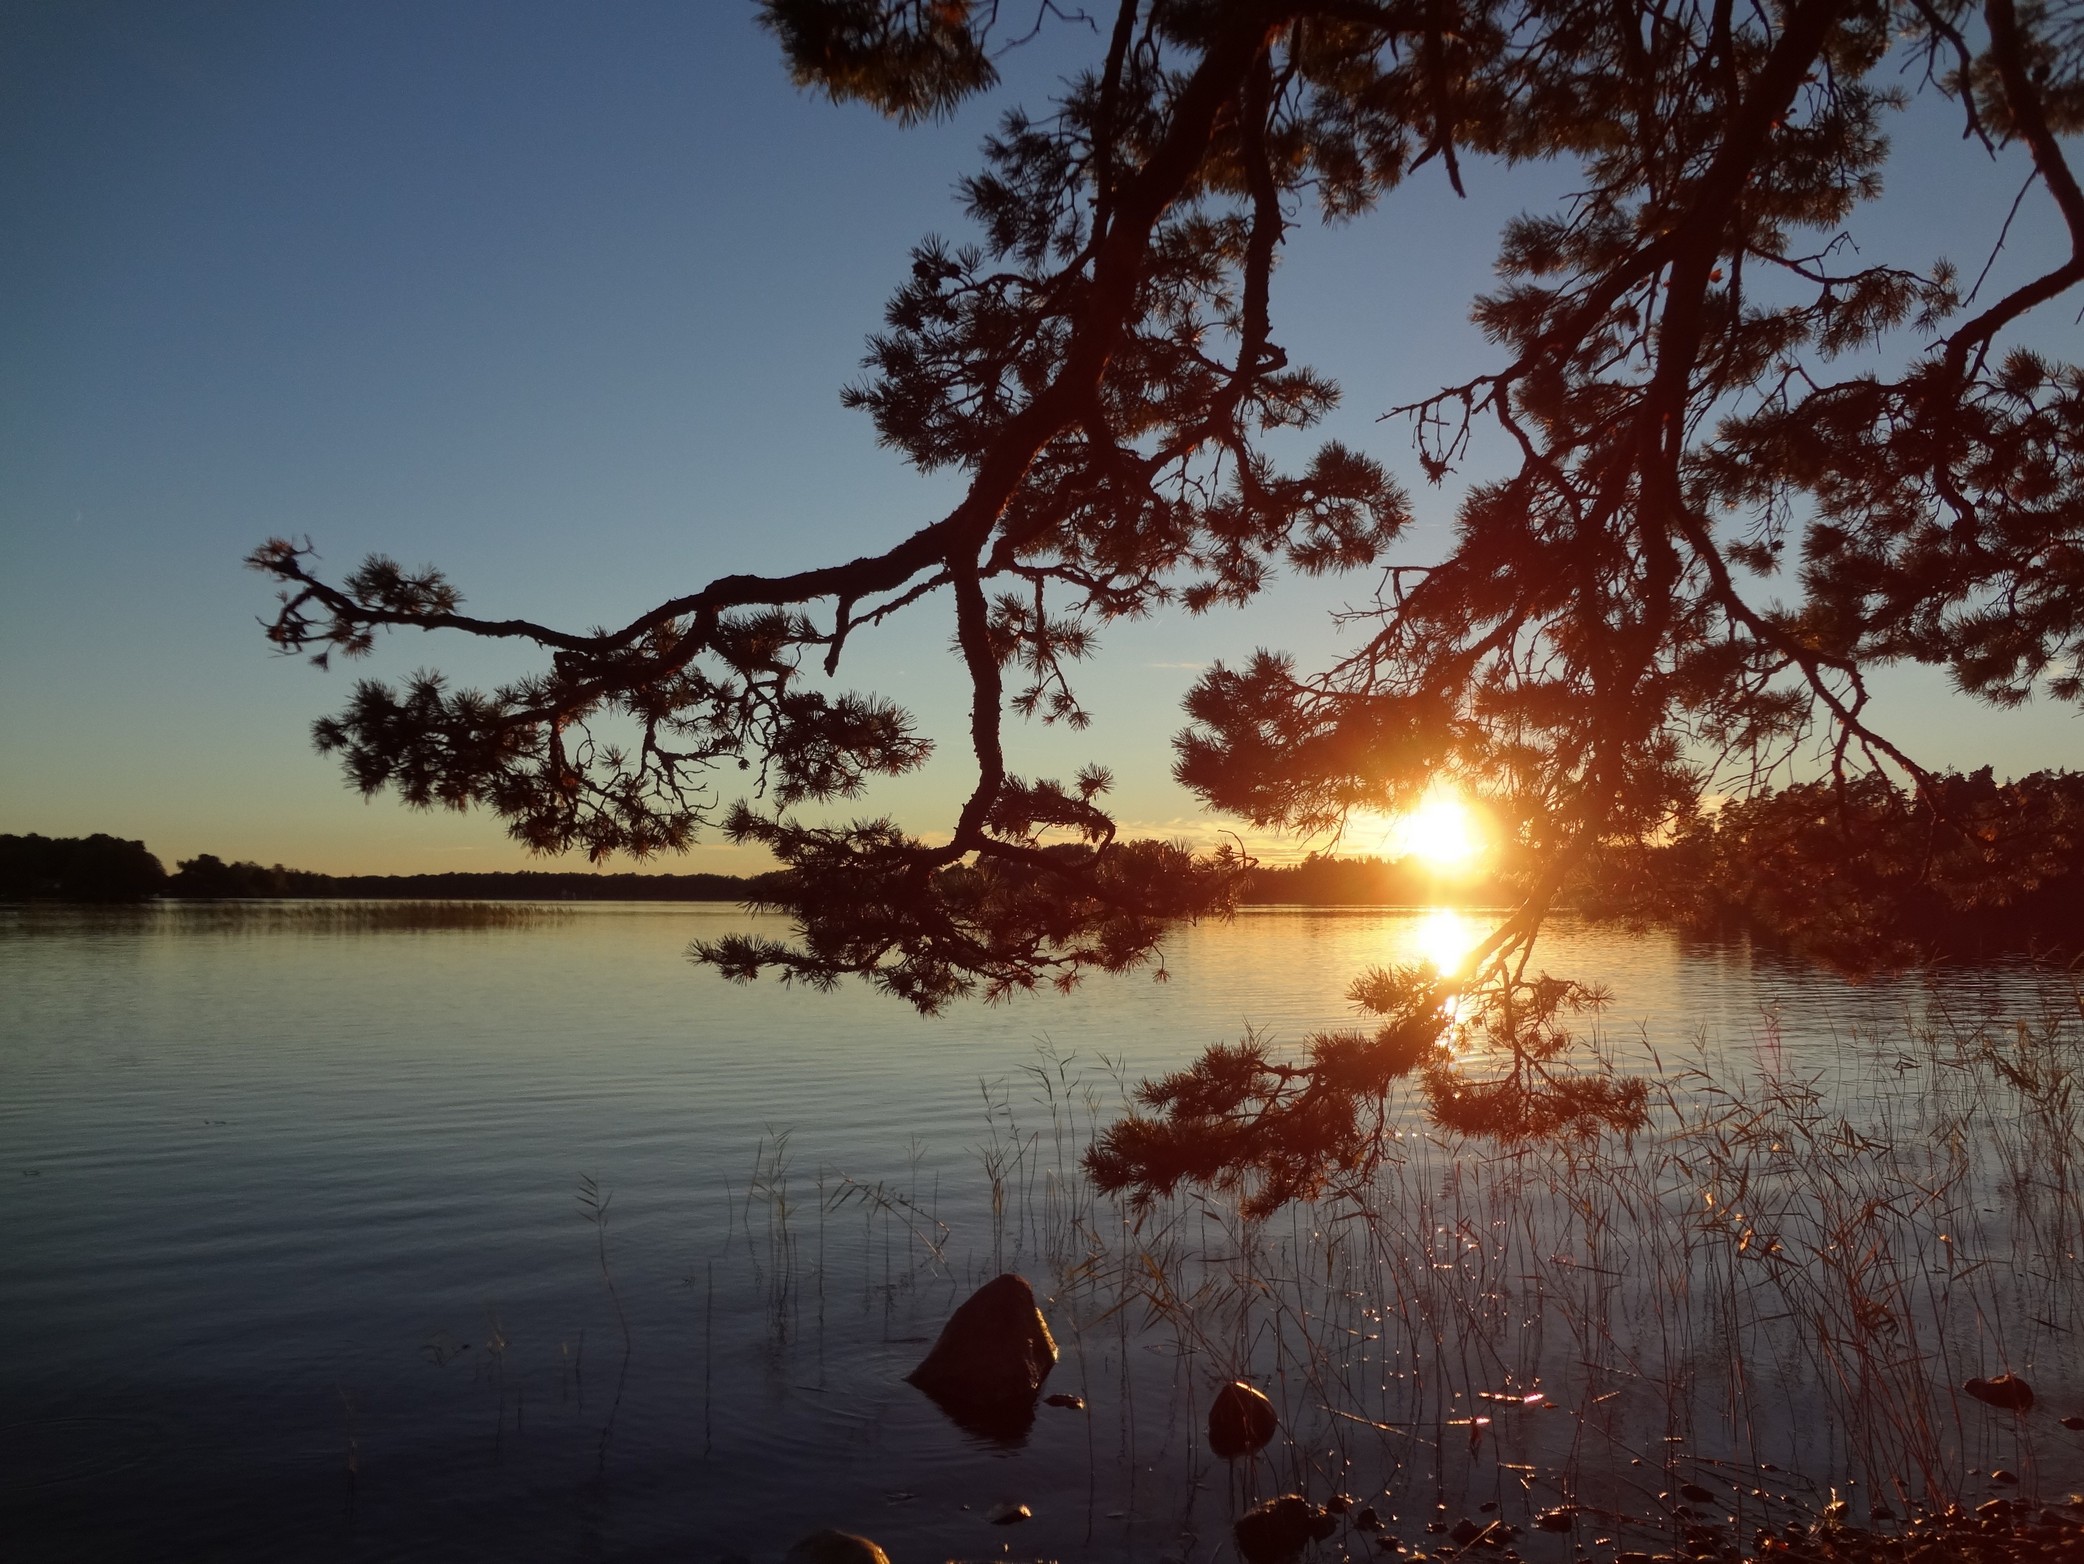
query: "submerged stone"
1240, 1421
2007, 1392
835, 1547
1281, 1528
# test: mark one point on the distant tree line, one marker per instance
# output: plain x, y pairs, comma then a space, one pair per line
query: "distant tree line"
102, 868
105, 869
79, 868
1861, 875
1855, 875
1362, 882
209, 878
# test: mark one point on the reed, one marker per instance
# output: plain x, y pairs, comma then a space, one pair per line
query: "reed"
1786, 1273
1759, 1312
593, 1207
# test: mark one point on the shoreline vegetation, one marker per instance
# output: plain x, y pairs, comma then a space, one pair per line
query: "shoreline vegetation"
1857, 876
1801, 1316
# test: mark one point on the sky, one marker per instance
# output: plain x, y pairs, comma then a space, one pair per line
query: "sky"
561, 299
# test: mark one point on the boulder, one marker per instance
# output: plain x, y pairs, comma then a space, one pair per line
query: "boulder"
991, 1358
1281, 1528
1240, 1421
2008, 1392
835, 1547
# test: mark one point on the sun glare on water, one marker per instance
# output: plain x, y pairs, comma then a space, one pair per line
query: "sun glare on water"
1443, 939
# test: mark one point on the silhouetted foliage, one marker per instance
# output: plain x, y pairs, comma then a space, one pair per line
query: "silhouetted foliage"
931, 935
1863, 874
77, 868
208, 878
1273, 1131
1323, 881
1744, 464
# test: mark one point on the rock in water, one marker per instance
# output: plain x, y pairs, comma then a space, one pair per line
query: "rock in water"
1281, 1528
835, 1547
2008, 1392
1240, 1421
991, 1358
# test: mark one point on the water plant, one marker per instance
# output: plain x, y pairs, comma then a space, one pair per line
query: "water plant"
1790, 1269
1758, 1312
593, 1206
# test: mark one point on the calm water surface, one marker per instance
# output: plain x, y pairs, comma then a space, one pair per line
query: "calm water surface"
293, 1261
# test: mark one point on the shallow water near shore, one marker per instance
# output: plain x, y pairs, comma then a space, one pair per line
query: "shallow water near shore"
297, 1260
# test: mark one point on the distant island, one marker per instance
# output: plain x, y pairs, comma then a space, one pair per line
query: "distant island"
1852, 876
103, 868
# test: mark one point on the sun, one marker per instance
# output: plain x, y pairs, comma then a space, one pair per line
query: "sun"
1442, 833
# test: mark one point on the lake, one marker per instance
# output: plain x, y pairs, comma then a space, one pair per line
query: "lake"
328, 1240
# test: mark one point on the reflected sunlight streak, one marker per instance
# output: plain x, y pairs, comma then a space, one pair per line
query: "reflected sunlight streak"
1444, 938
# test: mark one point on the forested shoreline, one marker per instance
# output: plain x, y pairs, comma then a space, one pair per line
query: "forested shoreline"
1856, 875
103, 868
1863, 875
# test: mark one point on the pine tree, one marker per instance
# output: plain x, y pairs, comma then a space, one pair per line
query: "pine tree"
1713, 406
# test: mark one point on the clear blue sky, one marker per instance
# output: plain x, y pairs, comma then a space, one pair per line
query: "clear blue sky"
559, 298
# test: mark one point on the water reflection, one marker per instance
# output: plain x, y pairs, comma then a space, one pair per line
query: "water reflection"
1444, 937
251, 1179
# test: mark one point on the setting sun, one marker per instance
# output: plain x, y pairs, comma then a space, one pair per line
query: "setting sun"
1442, 833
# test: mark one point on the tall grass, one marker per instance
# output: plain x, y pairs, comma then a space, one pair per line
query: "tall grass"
1759, 1311
1765, 1304
1787, 1274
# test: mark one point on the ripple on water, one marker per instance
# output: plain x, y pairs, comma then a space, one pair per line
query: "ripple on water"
46, 1452
313, 1196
